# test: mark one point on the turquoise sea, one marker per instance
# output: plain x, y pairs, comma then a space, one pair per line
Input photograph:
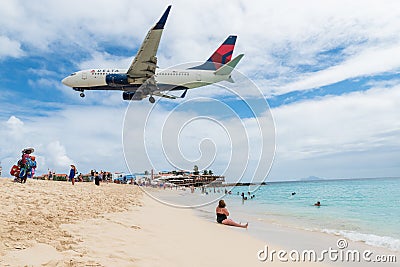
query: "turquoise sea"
365, 210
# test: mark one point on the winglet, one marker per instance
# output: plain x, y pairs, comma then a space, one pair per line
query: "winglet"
160, 24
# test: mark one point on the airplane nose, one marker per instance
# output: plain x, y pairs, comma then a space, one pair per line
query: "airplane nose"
66, 81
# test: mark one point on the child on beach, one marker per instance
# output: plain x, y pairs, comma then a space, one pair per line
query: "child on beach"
223, 213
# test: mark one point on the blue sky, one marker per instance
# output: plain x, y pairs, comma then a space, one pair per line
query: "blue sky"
329, 72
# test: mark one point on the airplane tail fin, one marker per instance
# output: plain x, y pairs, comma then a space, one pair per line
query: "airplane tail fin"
221, 56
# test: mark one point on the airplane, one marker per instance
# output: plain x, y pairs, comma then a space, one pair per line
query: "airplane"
144, 78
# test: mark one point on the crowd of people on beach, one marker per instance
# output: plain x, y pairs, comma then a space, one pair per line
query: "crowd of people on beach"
26, 166
73, 176
95, 176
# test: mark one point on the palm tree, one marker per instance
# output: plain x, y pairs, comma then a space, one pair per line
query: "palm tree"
210, 172
205, 172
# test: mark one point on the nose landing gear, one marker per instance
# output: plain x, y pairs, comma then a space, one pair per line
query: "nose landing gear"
151, 99
82, 94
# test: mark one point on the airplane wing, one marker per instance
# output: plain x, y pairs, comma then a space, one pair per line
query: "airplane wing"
149, 87
144, 65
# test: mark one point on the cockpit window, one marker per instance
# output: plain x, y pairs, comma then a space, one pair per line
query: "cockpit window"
72, 74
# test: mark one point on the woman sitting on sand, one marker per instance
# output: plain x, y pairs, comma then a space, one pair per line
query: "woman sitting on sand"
223, 213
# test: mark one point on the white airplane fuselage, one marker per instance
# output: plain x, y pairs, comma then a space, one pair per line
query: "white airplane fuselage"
173, 79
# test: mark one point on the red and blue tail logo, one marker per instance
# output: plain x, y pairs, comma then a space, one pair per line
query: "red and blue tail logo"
221, 56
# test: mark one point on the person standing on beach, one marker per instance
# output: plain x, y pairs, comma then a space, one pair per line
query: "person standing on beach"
96, 179
91, 175
223, 213
26, 165
72, 174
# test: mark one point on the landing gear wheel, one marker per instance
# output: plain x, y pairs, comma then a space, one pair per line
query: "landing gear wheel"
82, 95
151, 99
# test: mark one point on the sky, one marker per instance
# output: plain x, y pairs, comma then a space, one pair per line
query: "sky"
316, 94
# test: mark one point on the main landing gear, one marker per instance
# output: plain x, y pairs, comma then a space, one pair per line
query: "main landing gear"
82, 94
152, 100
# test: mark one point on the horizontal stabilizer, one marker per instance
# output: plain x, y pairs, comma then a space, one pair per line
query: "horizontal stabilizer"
170, 96
228, 67
184, 94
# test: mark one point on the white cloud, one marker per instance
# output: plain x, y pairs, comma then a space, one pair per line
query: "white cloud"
10, 48
352, 135
14, 123
266, 30
278, 37
369, 62
105, 60
196, 133
337, 136
15, 127
89, 136
57, 155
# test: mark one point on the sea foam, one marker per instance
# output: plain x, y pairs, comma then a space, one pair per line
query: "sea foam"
370, 239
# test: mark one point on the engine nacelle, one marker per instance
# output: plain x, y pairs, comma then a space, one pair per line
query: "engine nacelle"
117, 80
132, 96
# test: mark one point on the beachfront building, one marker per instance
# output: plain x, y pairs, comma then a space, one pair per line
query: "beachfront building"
187, 178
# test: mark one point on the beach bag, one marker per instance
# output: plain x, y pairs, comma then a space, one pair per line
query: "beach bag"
15, 171
30, 163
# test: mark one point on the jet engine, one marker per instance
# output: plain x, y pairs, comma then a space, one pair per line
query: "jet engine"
132, 96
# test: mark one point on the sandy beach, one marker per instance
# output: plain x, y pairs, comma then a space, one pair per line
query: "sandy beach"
46, 223
31, 215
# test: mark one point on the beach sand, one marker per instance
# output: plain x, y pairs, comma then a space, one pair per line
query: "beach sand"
31, 216
46, 223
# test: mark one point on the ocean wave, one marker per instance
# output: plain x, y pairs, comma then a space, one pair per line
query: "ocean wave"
369, 239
